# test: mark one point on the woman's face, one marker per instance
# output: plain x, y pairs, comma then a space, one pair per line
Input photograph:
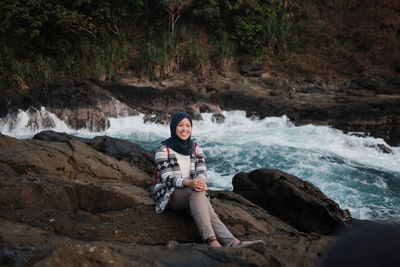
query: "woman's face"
184, 129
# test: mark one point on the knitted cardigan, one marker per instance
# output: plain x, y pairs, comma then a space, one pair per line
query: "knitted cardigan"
170, 174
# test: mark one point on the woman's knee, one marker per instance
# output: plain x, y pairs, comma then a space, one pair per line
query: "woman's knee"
198, 195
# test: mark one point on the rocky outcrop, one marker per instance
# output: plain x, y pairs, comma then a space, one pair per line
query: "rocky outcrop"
160, 100
360, 105
373, 110
80, 103
297, 202
364, 105
64, 203
117, 148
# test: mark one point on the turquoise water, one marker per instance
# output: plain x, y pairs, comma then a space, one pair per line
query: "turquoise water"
348, 169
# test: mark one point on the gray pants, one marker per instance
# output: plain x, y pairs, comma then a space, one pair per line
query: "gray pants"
204, 216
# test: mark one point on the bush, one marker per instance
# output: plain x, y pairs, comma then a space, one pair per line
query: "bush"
160, 57
88, 61
257, 27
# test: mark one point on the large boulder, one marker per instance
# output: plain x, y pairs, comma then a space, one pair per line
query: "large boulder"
114, 147
70, 161
295, 201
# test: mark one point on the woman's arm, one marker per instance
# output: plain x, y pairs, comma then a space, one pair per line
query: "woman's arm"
200, 164
168, 168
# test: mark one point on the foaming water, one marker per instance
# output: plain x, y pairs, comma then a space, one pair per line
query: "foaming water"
25, 124
351, 170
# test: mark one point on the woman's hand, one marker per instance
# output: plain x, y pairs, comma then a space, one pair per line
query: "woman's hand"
196, 184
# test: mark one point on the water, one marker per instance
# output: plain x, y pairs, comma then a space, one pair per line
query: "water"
350, 170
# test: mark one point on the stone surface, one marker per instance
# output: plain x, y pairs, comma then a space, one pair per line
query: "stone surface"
297, 202
70, 161
64, 203
114, 147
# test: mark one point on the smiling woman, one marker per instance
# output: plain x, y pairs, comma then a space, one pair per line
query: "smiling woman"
182, 184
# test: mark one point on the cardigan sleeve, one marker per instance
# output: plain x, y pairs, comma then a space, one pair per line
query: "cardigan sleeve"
165, 168
200, 164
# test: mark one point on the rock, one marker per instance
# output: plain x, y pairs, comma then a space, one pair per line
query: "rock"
4, 99
157, 117
395, 82
377, 85
266, 75
152, 99
382, 148
374, 109
364, 84
218, 118
72, 160
368, 245
53, 136
80, 103
120, 149
297, 202
69, 201
251, 70
30, 245
117, 148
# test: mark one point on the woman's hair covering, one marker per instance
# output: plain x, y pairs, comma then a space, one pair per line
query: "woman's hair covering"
184, 147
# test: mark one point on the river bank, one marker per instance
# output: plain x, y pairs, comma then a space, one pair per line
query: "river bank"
368, 106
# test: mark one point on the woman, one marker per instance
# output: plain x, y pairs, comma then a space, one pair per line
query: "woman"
182, 183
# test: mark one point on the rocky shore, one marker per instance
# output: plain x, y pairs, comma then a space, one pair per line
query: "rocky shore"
66, 200
367, 106
71, 201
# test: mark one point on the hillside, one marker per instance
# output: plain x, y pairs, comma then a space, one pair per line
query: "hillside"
347, 38
152, 39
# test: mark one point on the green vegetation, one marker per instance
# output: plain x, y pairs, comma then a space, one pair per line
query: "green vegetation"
41, 40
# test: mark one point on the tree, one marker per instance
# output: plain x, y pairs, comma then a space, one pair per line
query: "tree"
174, 9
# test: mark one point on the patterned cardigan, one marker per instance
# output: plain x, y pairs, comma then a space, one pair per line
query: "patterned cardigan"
170, 174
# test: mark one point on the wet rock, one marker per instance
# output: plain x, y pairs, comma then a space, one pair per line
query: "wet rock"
384, 149
80, 103
381, 148
297, 202
157, 117
53, 136
218, 118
